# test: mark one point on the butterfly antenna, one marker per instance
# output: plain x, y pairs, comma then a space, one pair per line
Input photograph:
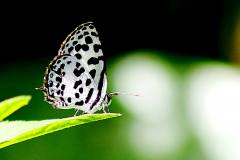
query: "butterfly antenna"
122, 93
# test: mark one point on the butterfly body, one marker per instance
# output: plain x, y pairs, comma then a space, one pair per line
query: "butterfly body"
76, 77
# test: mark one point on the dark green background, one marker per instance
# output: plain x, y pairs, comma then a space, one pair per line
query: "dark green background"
183, 32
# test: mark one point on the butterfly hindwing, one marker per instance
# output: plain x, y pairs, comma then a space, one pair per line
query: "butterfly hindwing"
69, 84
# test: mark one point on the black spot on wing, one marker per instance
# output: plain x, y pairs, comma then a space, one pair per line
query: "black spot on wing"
94, 34
77, 95
78, 56
93, 60
58, 71
101, 58
58, 84
89, 95
92, 73
77, 72
80, 103
70, 49
50, 83
77, 48
88, 40
80, 36
77, 83
100, 85
63, 86
88, 82
69, 99
58, 92
62, 99
51, 75
86, 33
81, 90
85, 47
77, 64
91, 26
58, 61
62, 66
96, 47
74, 43
59, 79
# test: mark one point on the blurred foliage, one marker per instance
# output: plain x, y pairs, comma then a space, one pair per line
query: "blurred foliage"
9, 106
102, 140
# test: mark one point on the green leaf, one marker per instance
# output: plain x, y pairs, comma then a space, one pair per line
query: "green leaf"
9, 106
12, 132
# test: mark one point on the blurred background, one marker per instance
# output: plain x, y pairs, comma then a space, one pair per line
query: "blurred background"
181, 56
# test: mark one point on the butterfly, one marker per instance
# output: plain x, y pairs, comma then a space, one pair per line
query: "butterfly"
76, 77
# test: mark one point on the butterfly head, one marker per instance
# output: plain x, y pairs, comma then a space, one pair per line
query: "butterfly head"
107, 99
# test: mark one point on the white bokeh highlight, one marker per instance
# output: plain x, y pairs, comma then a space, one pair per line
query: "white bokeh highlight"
156, 129
214, 109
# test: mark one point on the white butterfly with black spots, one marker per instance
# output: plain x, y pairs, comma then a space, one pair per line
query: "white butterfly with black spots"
76, 77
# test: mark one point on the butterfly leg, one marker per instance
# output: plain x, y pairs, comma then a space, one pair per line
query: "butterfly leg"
105, 109
77, 111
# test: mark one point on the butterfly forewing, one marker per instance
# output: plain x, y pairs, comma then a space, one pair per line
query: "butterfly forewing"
76, 77
84, 44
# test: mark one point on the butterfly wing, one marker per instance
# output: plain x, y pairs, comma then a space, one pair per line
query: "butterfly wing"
80, 67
